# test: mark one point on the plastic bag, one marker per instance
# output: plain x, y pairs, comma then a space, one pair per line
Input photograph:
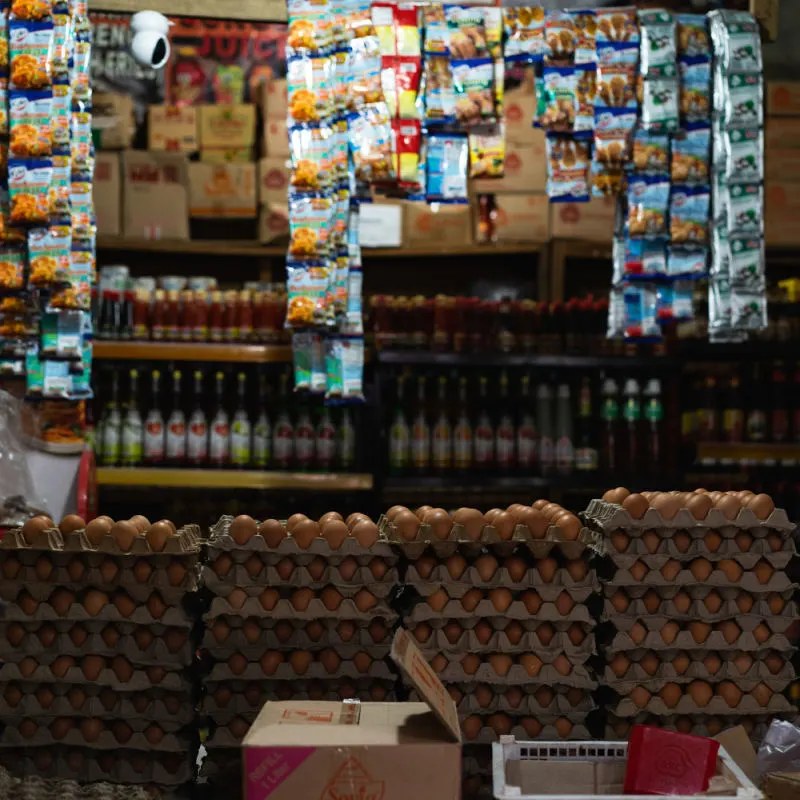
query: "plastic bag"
780, 749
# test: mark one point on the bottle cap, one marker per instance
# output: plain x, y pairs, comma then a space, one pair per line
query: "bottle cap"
631, 386
610, 386
653, 386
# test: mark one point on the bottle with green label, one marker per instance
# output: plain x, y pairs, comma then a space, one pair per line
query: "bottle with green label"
241, 442
610, 415
262, 430
654, 416
632, 423
586, 451
399, 433
132, 426
110, 432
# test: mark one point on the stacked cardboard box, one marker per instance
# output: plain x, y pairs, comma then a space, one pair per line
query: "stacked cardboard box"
782, 163
273, 213
698, 604
502, 618
96, 641
300, 611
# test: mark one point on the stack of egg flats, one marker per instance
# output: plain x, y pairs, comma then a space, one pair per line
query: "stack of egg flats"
697, 605
96, 643
299, 611
502, 617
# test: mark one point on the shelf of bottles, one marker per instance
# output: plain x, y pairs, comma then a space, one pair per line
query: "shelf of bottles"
180, 351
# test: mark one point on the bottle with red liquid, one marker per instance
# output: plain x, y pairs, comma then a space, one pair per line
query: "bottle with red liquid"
219, 434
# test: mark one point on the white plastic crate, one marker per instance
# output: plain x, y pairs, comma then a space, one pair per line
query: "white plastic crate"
519, 768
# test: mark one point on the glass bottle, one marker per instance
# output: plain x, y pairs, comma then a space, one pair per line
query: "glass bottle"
154, 426
176, 425
241, 429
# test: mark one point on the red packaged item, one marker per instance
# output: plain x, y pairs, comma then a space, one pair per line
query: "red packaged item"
407, 142
665, 762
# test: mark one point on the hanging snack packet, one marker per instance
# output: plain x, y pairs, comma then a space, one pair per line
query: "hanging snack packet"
747, 262
83, 220
383, 23
81, 145
310, 27
675, 301
60, 190
493, 28
408, 140
608, 181
561, 37
309, 83
641, 303
31, 9
437, 34
340, 79
30, 115
310, 218
49, 253
585, 94
689, 211
440, 94
487, 152
447, 160
744, 204
740, 158
651, 153
695, 99
737, 41
401, 79
748, 310
499, 87
307, 287
467, 33
568, 170
408, 28
12, 268
658, 48
617, 25
645, 258
63, 45
61, 118
612, 136
77, 295
365, 82
648, 201
660, 105
525, 38
585, 22
345, 368
691, 152
312, 156
371, 144
81, 77
693, 37
29, 188
473, 82
31, 46
687, 262
303, 343
739, 100
616, 75
558, 102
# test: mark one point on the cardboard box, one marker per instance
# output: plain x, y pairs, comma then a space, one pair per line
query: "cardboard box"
227, 126
525, 168
386, 751
107, 193
781, 212
782, 132
783, 98
222, 190
591, 222
172, 128
767, 12
782, 164
782, 785
273, 223
276, 138
242, 155
273, 180
380, 224
442, 226
155, 199
519, 105
274, 98
113, 120
522, 217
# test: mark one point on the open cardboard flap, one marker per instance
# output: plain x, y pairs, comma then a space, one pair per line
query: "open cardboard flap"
416, 669
740, 749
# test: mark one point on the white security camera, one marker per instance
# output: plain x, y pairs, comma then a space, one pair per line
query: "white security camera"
150, 43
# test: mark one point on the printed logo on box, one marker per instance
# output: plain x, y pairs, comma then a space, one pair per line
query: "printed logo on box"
353, 782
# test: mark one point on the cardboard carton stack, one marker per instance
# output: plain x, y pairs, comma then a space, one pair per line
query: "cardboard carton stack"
300, 611
782, 163
698, 606
502, 618
96, 640
273, 213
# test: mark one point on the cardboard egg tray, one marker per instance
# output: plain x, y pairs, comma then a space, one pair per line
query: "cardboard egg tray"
139, 682
747, 560
186, 543
220, 540
156, 710
440, 579
559, 707
619, 728
157, 654
240, 578
316, 610
580, 676
667, 549
778, 582
487, 735
171, 743
760, 612
175, 617
608, 517
316, 671
163, 770
453, 610
685, 641
686, 705
35, 788
458, 541
253, 652
747, 622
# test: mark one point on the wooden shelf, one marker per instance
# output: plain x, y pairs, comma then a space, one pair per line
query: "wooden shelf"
231, 479
217, 247
254, 10
750, 453
200, 351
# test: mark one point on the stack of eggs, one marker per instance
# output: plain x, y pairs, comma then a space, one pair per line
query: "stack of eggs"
699, 605
96, 645
502, 618
300, 611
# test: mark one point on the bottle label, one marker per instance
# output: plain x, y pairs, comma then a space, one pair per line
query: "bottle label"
526, 444
420, 445
176, 438
546, 452
733, 424
157, 332
586, 459
347, 445
756, 426
240, 443
633, 410
399, 445
140, 331
565, 455
654, 411
131, 442
504, 444
442, 445
326, 444
154, 439
219, 441
262, 442
610, 410
197, 440
484, 445
283, 444
304, 444
462, 446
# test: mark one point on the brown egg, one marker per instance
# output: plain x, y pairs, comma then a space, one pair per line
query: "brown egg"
470, 600
730, 693
45, 697
564, 603
111, 636
669, 632
729, 506
667, 505
471, 727
34, 527
532, 726
638, 570
620, 541
471, 663
547, 569
763, 572
100, 527
700, 631
620, 601
535, 521
762, 694
640, 696
671, 569
638, 633
713, 601
70, 523
761, 633
515, 566
700, 692
731, 570
651, 540
94, 602
452, 631
514, 696
316, 568
365, 532
11, 566
562, 664
635, 505
347, 568
272, 532
616, 496
174, 639
712, 663
124, 533
43, 568
13, 695
334, 532
701, 568
305, 532
28, 604
294, 520
730, 631
504, 523
680, 663
407, 524
500, 723
682, 541
682, 602
440, 522
394, 511
60, 666
620, 664
28, 666
176, 573
532, 601
531, 663
776, 603
285, 567
122, 669
438, 599
456, 566
15, 633
422, 511
270, 662
253, 565
300, 661
269, 599
649, 663
513, 631
365, 600
378, 631
576, 569
671, 694
439, 663
501, 599
121, 731
651, 601
353, 518
744, 602
774, 541
501, 664
761, 505
108, 571
568, 524
744, 541
27, 728
773, 662
331, 598
743, 662
76, 697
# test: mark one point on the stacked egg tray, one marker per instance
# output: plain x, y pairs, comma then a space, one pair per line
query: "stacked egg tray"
97, 647
295, 614
696, 610
501, 616
36, 788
